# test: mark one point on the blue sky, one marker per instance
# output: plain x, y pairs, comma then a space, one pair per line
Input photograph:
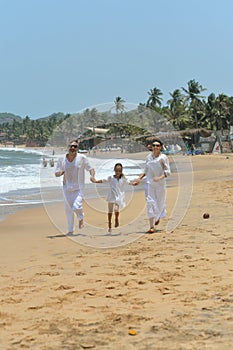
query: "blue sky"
67, 55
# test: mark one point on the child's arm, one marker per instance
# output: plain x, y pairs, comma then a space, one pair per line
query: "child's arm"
129, 182
96, 181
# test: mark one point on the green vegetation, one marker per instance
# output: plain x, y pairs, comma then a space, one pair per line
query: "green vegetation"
8, 118
186, 109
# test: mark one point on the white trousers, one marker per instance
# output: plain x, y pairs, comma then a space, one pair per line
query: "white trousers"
73, 205
156, 200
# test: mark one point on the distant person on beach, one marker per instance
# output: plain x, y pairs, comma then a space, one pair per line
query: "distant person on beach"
116, 195
44, 163
72, 166
156, 170
51, 162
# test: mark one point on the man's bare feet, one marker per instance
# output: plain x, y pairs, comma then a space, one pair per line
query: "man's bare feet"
81, 224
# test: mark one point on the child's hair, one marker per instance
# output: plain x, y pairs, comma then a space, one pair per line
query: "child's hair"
120, 165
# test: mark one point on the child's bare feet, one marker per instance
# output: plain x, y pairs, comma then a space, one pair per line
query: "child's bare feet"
116, 218
116, 223
109, 230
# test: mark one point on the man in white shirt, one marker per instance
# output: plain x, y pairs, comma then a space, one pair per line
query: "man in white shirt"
72, 167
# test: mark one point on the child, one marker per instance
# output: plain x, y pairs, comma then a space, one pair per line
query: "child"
116, 195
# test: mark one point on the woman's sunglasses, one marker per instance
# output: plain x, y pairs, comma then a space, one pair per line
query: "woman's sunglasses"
73, 146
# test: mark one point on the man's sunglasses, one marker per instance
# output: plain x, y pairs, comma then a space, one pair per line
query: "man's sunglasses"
73, 146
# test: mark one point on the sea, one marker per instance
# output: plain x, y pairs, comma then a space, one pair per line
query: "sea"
25, 182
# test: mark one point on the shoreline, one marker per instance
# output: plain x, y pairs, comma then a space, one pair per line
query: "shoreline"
33, 195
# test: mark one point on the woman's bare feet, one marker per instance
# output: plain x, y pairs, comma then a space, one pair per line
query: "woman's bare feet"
151, 230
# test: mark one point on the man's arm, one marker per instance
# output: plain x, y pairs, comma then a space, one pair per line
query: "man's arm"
59, 173
92, 173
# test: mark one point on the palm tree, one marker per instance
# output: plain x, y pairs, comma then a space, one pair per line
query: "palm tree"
176, 111
26, 123
223, 116
208, 120
155, 98
193, 95
231, 110
178, 116
119, 105
177, 99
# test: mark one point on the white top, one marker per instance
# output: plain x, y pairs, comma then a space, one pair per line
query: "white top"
74, 176
117, 190
156, 166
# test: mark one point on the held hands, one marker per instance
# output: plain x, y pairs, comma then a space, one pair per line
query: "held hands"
155, 179
135, 182
138, 180
93, 179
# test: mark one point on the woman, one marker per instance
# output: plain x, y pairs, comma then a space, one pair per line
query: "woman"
72, 167
156, 170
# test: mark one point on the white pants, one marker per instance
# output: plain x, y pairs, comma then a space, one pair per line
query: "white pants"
156, 200
73, 205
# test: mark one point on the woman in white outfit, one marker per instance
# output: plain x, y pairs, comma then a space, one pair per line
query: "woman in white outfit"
72, 166
116, 194
156, 170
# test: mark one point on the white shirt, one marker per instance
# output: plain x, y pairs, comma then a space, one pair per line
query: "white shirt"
117, 190
156, 166
74, 176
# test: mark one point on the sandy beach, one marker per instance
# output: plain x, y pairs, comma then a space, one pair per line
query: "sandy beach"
128, 290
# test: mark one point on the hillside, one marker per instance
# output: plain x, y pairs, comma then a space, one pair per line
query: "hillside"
9, 118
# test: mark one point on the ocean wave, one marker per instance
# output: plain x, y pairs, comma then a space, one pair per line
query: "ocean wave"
22, 150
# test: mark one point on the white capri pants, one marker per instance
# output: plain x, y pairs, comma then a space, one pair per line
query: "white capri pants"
156, 200
73, 204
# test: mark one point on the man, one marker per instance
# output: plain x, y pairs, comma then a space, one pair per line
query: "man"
72, 167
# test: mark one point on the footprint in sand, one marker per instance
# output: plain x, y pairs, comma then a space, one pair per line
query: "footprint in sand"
62, 287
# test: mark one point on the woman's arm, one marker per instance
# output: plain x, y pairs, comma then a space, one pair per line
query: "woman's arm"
137, 181
166, 166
